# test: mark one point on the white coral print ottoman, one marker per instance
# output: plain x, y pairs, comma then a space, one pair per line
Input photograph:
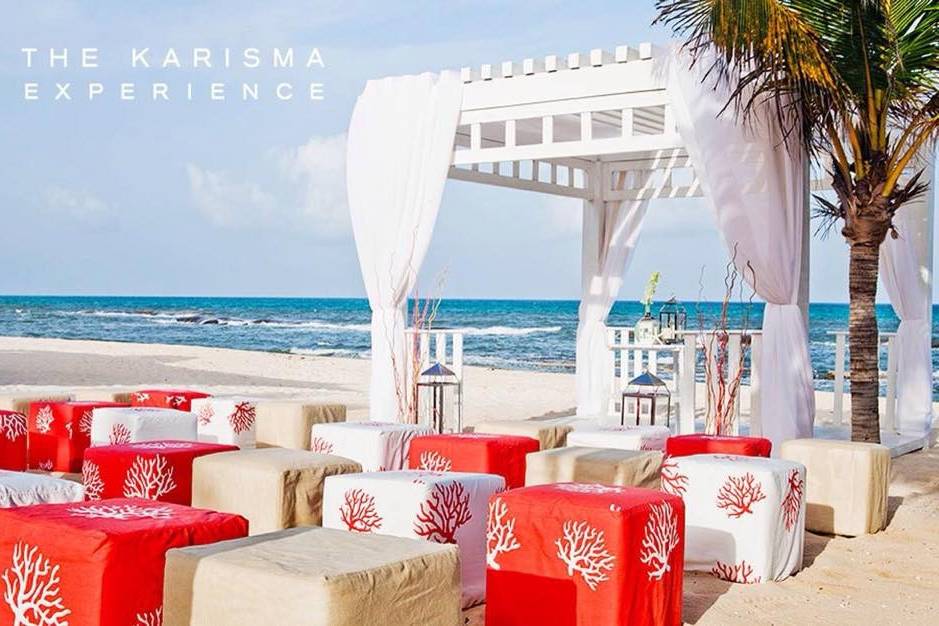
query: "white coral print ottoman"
445, 507
112, 426
227, 420
24, 489
377, 446
745, 516
621, 437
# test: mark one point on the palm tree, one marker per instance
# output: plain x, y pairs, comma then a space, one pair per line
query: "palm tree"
854, 81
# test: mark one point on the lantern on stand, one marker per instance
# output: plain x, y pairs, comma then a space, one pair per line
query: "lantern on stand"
646, 389
646, 331
432, 389
672, 320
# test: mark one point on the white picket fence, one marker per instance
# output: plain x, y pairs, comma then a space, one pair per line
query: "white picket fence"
887, 342
444, 346
676, 365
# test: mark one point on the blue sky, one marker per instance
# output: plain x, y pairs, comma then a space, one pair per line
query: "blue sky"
246, 198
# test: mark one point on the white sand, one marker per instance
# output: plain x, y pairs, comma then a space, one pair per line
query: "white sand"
891, 577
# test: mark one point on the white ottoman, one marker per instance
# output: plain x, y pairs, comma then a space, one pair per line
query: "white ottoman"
377, 446
134, 424
744, 516
621, 437
445, 507
25, 489
228, 420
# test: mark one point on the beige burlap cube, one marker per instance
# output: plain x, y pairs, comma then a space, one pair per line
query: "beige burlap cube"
107, 394
20, 402
550, 433
287, 423
846, 484
313, 577
273, 488
622, 468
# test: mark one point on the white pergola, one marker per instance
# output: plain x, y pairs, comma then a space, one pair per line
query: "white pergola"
600, 126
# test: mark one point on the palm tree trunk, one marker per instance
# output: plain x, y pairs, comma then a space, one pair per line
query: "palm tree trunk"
862, 329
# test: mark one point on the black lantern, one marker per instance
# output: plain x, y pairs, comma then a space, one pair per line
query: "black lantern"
672, 320
435, 379
646, 388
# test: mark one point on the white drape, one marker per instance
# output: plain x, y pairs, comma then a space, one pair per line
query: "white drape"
611, 230
399, 151
755, 187
904, 278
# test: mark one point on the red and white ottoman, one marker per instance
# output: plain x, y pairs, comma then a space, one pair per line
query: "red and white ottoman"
686, 445
474, 452
745, 515
111, 426
576, 554
377, 446
155, 470
180, 399
59, 433
97, 563
12, 440
445, 507
25, 489
227, 420
621, 437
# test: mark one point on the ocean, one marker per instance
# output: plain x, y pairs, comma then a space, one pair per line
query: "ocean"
514, 334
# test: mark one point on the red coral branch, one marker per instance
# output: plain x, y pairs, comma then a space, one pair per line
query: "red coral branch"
738, 494
318, 444
242, 418
739, 573
443, 513
358, 512
792, 502
673, 481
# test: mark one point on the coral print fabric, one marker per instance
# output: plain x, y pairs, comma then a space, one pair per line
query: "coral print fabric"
96, 563
590, 554
443, 507
473, 452
154, 470
179, 399
746, 515
60, 432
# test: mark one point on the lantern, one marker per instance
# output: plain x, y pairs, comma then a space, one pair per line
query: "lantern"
432, 387
646, 389
672, 320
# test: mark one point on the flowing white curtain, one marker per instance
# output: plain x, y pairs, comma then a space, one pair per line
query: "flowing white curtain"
755, 186
399, 151
611, 230
904, 276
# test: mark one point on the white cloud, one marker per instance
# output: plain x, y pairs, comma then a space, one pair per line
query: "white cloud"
305, 187
228, 202
318, 168
76, 203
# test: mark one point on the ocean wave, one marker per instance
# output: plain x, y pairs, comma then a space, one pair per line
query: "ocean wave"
510, 331
342, 352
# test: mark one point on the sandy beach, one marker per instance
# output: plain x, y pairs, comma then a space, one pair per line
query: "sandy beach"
891, 577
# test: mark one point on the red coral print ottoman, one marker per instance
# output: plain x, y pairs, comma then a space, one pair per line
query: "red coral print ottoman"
444, 507
227, 420
97, 563
745, 515
59, 433
578, 554
155, 470
474, 452
12, 441
686, 445
179, 399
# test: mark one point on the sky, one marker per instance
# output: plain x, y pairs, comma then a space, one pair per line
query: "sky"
235, 198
